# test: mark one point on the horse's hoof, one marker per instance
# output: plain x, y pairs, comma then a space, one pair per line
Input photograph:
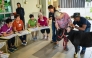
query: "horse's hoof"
75, 56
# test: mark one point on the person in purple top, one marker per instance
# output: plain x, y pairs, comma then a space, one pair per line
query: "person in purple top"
6, 30
43, 21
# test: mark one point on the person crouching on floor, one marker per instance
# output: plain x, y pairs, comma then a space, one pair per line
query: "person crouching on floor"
6, 30
62, 21
18, 26
83, 25
42, 22
32, 23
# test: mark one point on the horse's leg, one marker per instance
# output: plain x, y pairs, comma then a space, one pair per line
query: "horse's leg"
75, 42
65, 44
76, 51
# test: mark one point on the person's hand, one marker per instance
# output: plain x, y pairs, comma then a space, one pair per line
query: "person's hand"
34, 27
19, 31
10, 32
50, 18
43, 26
72, 25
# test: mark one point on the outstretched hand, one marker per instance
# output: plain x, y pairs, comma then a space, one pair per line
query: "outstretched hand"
72, 25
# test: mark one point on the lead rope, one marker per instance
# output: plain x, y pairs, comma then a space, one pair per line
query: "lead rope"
65, 39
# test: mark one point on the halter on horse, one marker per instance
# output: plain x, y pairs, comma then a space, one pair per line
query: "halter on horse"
63, 36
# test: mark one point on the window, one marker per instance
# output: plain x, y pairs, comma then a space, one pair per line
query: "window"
72, 3
5, 8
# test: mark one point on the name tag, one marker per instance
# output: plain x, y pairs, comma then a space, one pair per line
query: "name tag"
42, 20
35, 21
19, 25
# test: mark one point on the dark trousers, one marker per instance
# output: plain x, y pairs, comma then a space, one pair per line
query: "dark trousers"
23, 19
11, 42
22, 38
53, 32
47, 31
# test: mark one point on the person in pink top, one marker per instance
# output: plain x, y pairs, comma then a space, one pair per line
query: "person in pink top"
43, 21
62, 21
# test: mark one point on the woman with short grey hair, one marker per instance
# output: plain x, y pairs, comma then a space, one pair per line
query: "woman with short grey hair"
42, 22
62, 20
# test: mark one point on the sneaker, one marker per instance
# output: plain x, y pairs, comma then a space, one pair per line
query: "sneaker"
53, 42
11, 50
35, 38
24, 43
82, 52
14, 48
56, 46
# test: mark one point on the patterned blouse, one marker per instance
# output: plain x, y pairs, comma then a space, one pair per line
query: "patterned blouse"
63, 23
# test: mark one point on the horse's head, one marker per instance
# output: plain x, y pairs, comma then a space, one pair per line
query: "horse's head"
69, 28
60, 33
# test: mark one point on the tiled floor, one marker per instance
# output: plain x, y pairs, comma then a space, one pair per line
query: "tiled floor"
44, 49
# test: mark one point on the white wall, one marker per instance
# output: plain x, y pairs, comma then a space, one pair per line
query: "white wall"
45, 7
29, 8
83, 11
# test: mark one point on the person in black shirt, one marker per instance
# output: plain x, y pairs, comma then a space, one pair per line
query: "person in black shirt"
20, 11
51, 16
84, 25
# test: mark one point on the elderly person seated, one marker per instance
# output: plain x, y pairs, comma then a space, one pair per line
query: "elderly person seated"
42, 22
18, 26
6, 30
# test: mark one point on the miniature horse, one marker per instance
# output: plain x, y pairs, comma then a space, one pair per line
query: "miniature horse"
79, 38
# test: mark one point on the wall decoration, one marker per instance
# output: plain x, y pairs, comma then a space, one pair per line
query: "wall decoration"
49, 2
